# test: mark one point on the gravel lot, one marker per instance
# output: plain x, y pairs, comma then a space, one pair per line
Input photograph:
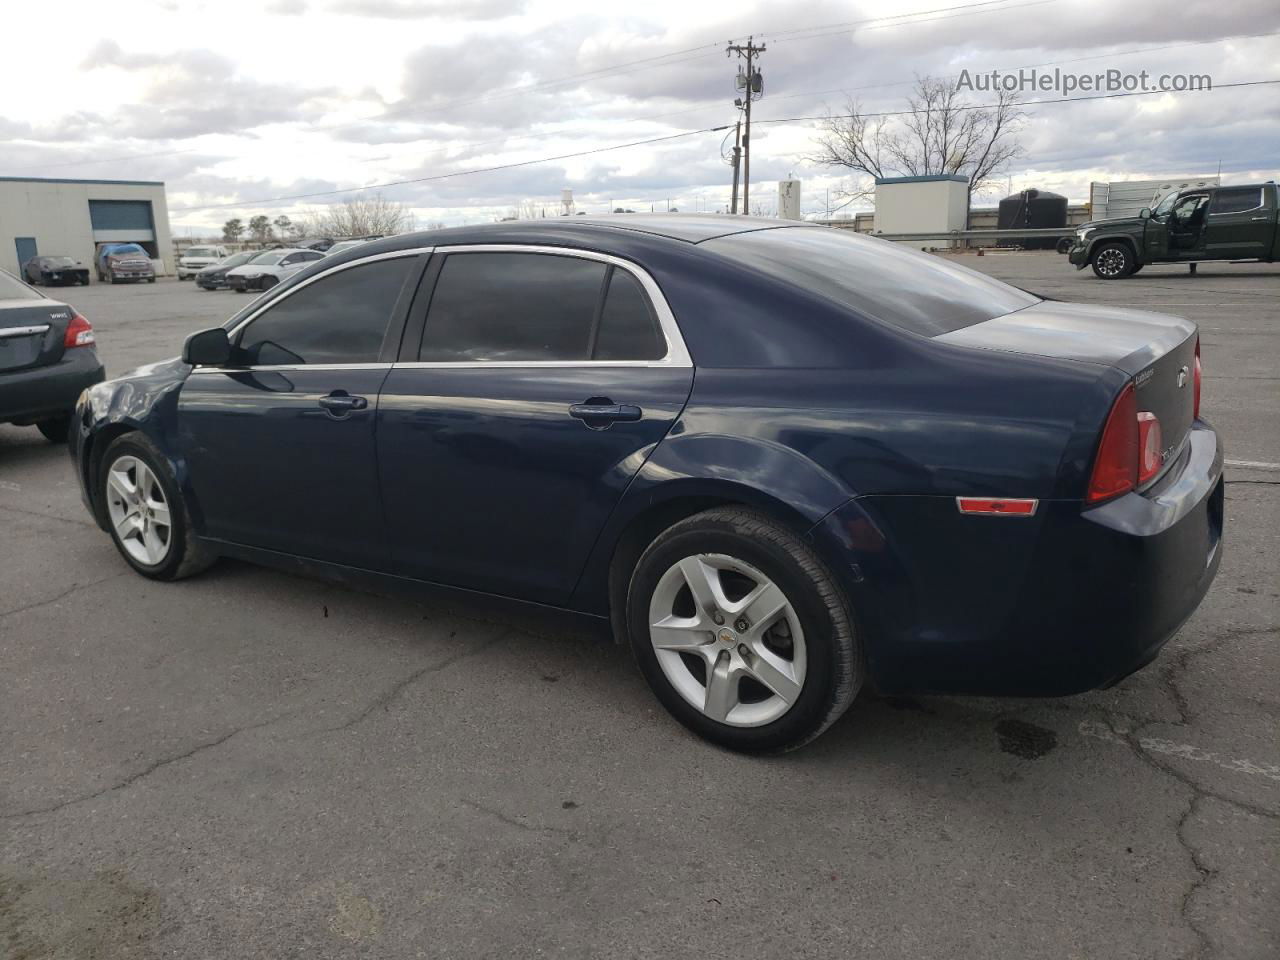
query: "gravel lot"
248, 764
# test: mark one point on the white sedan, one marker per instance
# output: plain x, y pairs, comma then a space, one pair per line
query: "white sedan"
270, 267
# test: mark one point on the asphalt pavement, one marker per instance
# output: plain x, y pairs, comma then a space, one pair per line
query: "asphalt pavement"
248, 764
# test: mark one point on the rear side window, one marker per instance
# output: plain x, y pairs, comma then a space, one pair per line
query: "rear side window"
628, 327
337, 319
512, 306
916, 291
1237, 201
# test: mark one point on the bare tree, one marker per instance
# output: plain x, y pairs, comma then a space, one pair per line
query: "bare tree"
941, 134
359, 217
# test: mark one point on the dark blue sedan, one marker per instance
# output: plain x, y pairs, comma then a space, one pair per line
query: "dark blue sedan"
781, 461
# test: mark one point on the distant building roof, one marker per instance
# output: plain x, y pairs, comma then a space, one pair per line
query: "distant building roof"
119, 183
937, 178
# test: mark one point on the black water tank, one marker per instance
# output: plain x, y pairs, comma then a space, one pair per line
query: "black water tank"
1034, 209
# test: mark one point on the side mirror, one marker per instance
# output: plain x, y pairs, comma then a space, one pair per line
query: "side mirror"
1145, 213
208, 348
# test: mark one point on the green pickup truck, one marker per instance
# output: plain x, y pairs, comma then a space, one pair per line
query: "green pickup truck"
1205, 223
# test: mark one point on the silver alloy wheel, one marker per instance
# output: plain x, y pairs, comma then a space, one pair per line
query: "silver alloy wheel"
712, 632
1110, 262
138, 510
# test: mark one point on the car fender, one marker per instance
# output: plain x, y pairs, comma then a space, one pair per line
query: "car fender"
705, 469
1134, 246
144, 401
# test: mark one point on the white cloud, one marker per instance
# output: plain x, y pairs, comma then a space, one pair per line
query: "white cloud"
261, 99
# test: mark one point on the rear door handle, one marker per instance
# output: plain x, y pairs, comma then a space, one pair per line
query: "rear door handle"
601, 414
340, 403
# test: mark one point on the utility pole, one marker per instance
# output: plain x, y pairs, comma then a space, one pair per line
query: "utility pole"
737, 163
752, 83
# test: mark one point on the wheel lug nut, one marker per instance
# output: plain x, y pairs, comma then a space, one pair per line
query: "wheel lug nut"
742, 625
717, 618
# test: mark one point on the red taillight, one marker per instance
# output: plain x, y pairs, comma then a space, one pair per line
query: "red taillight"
1115, 469
1150, 447
1195, 379
79, 332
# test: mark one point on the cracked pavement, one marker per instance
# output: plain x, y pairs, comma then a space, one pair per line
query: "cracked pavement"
251, 764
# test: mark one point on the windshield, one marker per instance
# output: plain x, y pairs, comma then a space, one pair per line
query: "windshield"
1165, 205
920, 292
270, 256
201, 252
125, 249
13, 289
236, 259
60, 261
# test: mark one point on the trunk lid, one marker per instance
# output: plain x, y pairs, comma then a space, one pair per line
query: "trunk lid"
1156, 350
32, 332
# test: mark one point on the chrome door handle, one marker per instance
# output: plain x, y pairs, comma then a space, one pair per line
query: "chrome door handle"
339, 404
599, 416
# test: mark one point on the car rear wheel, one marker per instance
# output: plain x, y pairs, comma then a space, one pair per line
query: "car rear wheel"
56, 430
742, 633
1113, 261
145, 512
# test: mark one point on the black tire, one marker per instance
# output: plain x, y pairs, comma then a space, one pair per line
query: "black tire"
151, 279
834, 672
268, 282
56, 430
1064, 245
111, 277
186, 555
1113, 261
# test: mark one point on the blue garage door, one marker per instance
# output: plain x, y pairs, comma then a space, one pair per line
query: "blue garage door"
122, 216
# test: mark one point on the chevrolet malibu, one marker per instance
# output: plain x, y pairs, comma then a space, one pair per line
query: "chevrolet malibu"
781, 461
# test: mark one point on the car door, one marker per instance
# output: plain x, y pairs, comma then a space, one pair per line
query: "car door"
526, 398
1240, 223
279, 445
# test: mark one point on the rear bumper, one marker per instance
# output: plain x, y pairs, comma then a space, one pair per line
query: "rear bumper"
1066, 601
40, 393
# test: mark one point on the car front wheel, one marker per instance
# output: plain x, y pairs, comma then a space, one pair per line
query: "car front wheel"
145, 512
742, 632
1113, 261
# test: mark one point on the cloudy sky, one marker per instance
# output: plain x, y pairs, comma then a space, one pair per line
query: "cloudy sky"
234, 104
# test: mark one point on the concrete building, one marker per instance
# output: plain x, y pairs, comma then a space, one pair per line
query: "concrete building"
52, 217
921, 204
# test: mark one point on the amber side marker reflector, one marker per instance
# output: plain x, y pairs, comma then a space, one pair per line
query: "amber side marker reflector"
997, 507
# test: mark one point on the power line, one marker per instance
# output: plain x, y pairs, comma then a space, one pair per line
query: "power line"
682, 135
675, 57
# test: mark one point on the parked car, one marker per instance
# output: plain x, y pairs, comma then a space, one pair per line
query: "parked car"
1187, 226
124, 261
195, 259
269, 267
47, 358
55, 271
888, 469
215, 277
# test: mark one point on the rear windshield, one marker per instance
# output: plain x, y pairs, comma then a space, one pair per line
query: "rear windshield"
201, 252
125, 248
12, 289
917, 291
270, 256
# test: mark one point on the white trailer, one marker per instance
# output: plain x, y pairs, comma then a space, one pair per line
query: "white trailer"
1124, 198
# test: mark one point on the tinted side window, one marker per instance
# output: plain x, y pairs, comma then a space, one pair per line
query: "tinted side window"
337, 319
1235, 201
512, 306
628, 328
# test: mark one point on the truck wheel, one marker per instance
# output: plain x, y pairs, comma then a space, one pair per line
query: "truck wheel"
1064, 245
1113, 261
